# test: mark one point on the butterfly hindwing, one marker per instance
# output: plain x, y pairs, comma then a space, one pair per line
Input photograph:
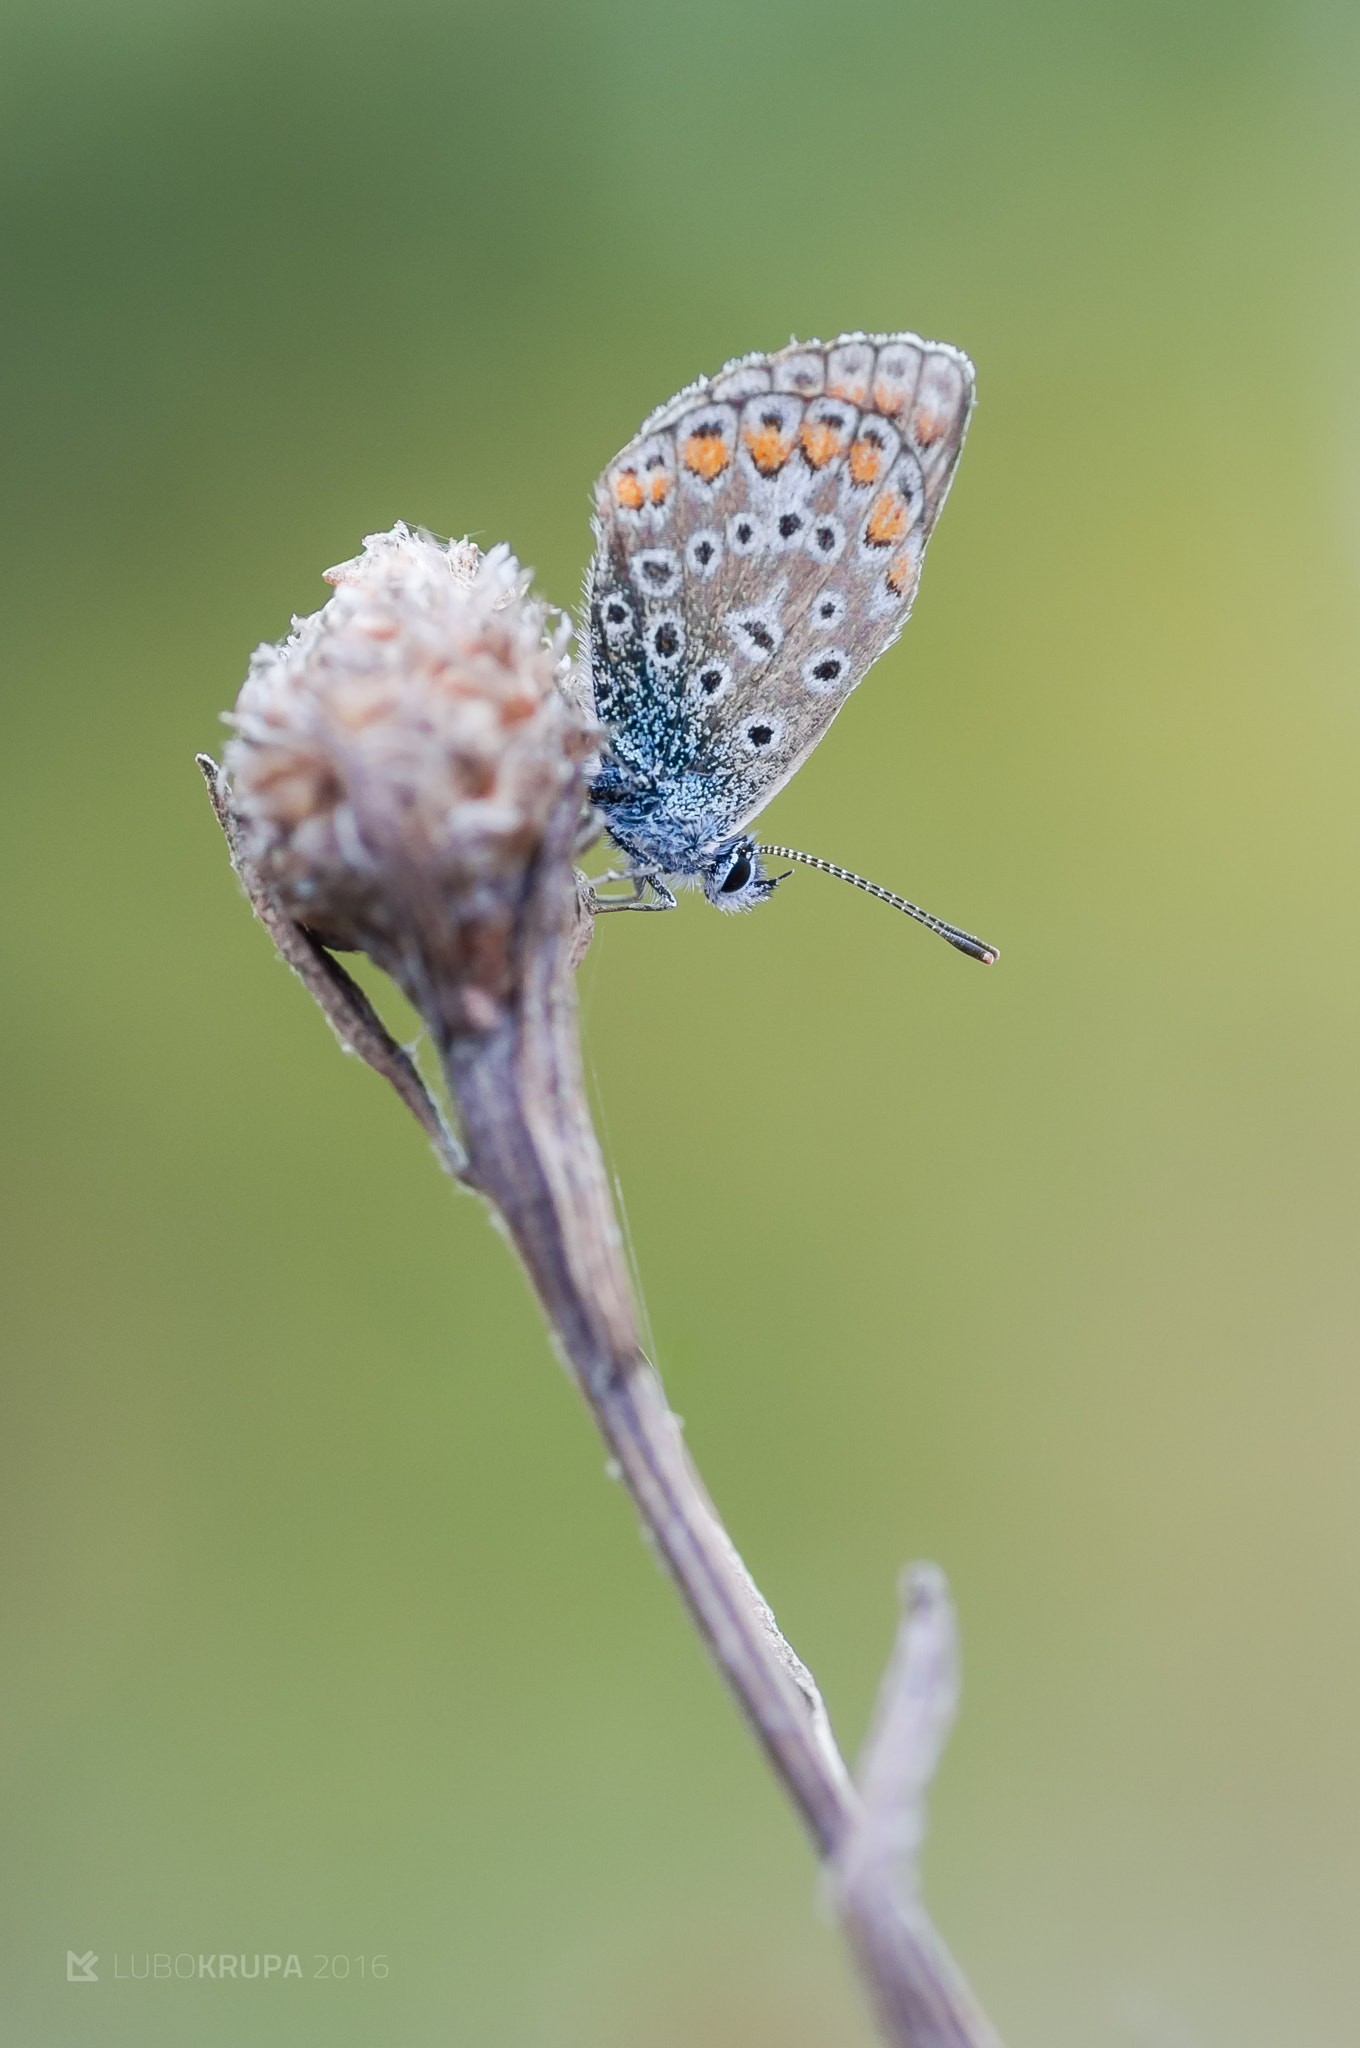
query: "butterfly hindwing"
759, 545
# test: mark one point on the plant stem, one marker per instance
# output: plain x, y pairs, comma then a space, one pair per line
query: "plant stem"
528, 1145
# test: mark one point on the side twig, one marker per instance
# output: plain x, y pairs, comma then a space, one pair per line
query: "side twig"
346, 1008
875, 1874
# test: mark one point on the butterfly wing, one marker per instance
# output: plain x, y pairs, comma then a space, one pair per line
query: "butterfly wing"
758, 546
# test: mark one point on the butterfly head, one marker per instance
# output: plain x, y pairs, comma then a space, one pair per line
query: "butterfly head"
733, 877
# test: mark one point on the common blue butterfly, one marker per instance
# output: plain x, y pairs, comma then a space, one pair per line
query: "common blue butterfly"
758, 544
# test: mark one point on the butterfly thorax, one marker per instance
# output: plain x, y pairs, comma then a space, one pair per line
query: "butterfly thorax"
671, 828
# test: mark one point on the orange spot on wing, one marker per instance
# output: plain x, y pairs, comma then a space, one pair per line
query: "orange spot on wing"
888, 521
926, 428
866, 459
627, 490
888, 398
852, 389
821, 442
901, 575
706, 455
661, 486
770, 446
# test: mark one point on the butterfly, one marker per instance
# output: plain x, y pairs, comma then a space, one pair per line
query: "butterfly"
758, 544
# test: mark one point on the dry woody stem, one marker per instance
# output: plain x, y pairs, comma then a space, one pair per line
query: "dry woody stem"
408, 778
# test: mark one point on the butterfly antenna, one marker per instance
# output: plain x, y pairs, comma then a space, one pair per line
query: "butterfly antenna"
966, 943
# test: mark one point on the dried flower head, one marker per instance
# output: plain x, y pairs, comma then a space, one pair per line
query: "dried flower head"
397, 759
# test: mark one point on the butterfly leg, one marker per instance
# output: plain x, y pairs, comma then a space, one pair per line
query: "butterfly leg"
591, 827
663, 898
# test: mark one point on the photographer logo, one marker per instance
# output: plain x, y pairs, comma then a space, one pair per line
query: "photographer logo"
163, 1967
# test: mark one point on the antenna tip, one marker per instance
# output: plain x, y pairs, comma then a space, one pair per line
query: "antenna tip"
976, 949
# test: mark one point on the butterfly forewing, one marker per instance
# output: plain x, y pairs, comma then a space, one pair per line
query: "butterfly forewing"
759, 545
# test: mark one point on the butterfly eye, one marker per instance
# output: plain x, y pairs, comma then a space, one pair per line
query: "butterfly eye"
738, 875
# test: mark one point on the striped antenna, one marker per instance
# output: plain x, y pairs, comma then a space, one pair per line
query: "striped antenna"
966, 943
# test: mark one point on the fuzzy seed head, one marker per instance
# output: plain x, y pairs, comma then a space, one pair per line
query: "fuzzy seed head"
396, 759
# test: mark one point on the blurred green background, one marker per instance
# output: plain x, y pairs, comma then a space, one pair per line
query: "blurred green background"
325, 1632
